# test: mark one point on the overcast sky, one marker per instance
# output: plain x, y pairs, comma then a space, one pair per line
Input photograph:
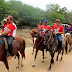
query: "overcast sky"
42, 3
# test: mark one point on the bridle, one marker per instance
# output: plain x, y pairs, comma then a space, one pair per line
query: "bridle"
42, 40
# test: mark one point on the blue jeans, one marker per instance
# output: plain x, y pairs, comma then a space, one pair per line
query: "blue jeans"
59, 40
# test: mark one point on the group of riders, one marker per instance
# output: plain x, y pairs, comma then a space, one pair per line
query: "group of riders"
9, 31
58, 29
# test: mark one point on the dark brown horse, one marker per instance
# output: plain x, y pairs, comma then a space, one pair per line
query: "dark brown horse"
51, 43
18, 45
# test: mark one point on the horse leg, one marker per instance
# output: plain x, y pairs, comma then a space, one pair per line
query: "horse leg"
61, 56
52, 61
6, 64
23, 55
18, 60
66, 47
57, 56
33, 51
70, 48
46, 54
33, 65
43, 57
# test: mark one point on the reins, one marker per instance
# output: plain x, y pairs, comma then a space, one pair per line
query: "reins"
40, 43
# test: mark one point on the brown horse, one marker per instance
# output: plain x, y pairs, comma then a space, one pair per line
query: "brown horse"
39, 46
18, 45
51, 43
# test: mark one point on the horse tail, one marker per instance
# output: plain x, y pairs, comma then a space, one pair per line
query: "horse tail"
24, 48
66, 46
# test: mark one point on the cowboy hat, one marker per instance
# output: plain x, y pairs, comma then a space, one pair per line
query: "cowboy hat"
57, 20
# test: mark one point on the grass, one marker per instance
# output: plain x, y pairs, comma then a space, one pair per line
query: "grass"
26, 35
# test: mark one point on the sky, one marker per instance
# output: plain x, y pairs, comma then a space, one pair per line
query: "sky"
42, 3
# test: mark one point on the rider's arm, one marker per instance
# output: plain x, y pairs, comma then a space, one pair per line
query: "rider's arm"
58, 32
6, 32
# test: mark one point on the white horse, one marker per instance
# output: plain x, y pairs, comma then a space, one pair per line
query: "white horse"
64, 39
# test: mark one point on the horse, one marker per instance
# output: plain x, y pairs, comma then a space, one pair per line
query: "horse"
64, 42
39, 46
18, 45
69, 40
51, 43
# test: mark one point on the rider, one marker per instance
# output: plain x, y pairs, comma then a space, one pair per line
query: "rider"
45, 27
9, 32
39, 26
70, 28
58, 29
5, 23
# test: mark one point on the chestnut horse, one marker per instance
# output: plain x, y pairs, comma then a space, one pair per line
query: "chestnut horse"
38, 45
18, 45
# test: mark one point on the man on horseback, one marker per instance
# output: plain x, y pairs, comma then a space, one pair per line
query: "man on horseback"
9, 32
39, 27
58, 29
45, 27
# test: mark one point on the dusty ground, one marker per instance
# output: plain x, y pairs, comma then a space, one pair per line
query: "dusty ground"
60, 66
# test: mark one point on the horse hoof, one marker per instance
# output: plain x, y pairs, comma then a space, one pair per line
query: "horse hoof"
69, 51
52, 63
56, 59
60, 59
49, 69
17, 67
42, 61
33, 65
45, 57
22, 65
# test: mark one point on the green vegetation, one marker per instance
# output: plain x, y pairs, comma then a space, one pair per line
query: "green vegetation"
29, 16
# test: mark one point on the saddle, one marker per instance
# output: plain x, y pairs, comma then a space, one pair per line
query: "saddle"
2, 41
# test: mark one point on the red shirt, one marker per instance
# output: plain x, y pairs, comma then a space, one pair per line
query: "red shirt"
44, 28
58, 28
12, 27
39, 27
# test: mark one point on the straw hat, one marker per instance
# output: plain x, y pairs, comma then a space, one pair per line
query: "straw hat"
57, 20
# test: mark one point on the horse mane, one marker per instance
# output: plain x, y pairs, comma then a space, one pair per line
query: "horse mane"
68, 34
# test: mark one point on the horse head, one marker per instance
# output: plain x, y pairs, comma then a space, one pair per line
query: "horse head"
34, 33
67, 35
47, 37
50, 41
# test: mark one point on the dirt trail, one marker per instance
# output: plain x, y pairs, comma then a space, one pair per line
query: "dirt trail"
60, 66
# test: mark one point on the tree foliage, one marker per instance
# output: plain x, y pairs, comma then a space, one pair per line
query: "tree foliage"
27, 15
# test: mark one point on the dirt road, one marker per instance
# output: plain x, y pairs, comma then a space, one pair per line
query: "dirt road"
60, 66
